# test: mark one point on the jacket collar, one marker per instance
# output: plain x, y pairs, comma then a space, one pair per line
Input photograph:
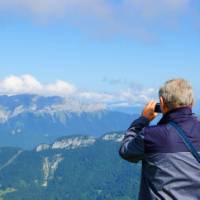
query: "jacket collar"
177, 115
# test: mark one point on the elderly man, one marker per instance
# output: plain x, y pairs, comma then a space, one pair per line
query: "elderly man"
168, 150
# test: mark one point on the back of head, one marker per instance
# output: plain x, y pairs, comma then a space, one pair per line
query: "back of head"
177, 93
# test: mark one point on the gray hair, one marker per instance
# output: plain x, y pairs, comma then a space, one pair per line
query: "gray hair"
176, 93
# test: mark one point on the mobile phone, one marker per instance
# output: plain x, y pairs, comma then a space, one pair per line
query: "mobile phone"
157, 108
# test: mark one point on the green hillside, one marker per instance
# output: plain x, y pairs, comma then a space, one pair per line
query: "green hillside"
94, 172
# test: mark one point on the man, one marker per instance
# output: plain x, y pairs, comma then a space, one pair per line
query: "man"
169, 169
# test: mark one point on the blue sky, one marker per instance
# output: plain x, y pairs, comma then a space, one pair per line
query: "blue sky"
101, 47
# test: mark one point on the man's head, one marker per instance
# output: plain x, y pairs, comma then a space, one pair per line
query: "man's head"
176, 93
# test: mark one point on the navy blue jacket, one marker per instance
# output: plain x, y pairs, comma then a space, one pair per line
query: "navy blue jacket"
169, 170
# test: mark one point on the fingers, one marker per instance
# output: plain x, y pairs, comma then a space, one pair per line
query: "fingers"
148, 111
151, 105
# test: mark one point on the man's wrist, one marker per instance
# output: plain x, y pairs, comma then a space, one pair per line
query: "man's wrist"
145, 120
138, 124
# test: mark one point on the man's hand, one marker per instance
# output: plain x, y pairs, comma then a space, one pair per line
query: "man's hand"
148, 111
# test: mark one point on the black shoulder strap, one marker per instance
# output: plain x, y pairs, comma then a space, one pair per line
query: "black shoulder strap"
186, 140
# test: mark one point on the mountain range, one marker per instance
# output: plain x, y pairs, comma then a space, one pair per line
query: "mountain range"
53, 148
27, 120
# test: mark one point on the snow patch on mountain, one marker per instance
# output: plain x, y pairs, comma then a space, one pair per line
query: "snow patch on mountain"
113, 137
50, 166
16, 131
42, 147
74, 142
4, 115
18, 110
56, 107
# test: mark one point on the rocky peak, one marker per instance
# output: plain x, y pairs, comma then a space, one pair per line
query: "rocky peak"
116, 137
74, 142
42, 147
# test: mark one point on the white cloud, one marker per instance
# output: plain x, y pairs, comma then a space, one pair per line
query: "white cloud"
60, 88
23, 84
74, 105
30, 85
133, 96
132, 17
99, 97
76, 99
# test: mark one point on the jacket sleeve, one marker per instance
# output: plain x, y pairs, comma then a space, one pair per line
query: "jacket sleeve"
132, 147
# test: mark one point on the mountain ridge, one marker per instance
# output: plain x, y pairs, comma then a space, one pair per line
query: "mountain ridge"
26, 125
77, 141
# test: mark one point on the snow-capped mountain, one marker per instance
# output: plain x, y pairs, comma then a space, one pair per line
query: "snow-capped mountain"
28, 120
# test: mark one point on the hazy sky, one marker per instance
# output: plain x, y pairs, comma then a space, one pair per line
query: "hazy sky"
98, 46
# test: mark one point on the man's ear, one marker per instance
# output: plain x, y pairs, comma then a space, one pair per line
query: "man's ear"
163, 106
161, 101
